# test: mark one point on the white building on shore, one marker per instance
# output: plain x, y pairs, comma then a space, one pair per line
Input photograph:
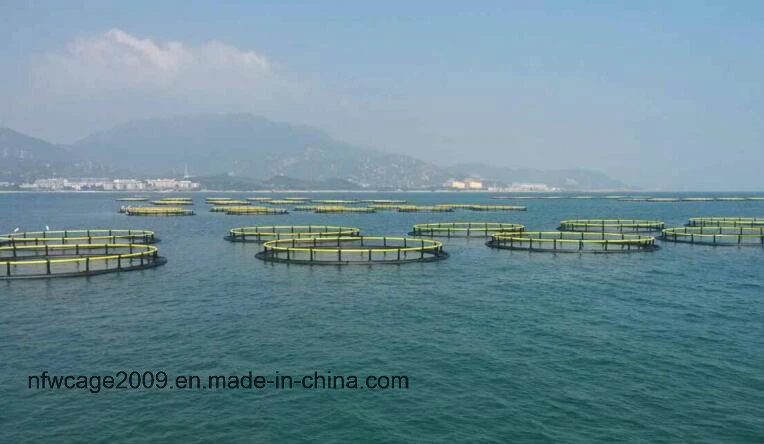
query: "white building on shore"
56, 184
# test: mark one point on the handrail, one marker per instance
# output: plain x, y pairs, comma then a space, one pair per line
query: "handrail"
290, 231
72, 236
148, 251
611, 224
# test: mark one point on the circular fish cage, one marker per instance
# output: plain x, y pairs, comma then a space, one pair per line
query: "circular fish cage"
455, 206
424, 209
385, 207
497, 208
248, 207
384, 201
250, 210
336, 201
79, 237
352, 250
49, 261
233, 203
157, 211
172, 202
464, 229
752, 222
343, 209
572, 242
612, 225
713, 235
228, 202
276, 232
663, 199
698, 199
279, 202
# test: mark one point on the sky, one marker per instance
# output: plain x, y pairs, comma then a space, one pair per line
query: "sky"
659, 94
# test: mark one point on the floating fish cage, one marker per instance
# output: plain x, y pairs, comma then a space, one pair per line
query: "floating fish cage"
132, 199
225, 208
384, 201
298, 199
352, 250
79, 237
230, 202
634, 199
385, 207
726, 222
572, 242
249, 210
304, 208
663, 199
712, 235
336, 201
612, 225
343, 209
275, 232
424, 209
455, 206
464, 229
497, 208
259, 199
698, 199
755, 198
279, 202
172, 202
526, 197
48, 261
731, 199
157, 211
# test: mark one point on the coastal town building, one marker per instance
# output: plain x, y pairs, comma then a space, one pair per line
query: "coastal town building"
82, 184
466, 184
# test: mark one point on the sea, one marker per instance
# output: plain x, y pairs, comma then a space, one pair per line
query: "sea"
487, 345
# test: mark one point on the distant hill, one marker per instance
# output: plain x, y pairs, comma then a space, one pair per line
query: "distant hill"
242, 151
24, 158
250, 146
226, 182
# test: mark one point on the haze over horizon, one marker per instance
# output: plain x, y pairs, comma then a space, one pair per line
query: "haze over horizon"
656, 95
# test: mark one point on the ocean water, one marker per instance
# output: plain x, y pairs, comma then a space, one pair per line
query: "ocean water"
497, 345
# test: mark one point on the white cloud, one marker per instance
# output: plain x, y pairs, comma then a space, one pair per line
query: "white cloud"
117, 60
96, 81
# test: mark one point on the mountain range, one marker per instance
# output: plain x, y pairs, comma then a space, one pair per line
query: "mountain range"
247, 149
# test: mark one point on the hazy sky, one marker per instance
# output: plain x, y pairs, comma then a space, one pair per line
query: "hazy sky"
658, 94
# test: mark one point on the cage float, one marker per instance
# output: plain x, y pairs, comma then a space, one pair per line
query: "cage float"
275, 232
157, 211
68, 260
464, 229
349, 250
79, 236
573, 242
726, 222
716, 235
611, 225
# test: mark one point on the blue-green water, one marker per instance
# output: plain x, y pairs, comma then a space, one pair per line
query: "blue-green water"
498, 345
